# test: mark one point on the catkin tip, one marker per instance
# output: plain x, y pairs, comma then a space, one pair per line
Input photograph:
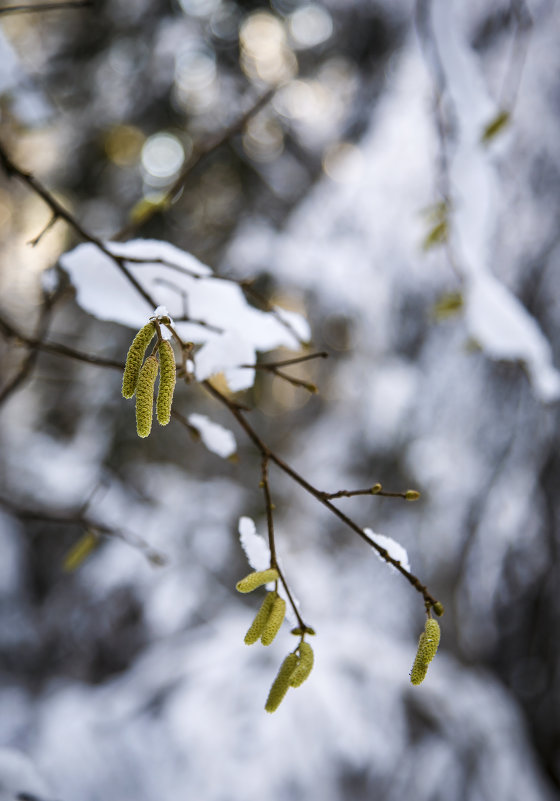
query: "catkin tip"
256, 579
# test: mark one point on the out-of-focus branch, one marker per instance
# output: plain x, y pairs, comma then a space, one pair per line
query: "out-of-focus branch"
200, 151
80, 518
11, 169
42, 7
36, 344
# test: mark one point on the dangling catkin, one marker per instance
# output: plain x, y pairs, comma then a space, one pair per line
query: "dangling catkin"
256, 579
134, 359
281, 683
304, 665
427, 647
166, 382
420, 666
261, 617
145, 396
275, 620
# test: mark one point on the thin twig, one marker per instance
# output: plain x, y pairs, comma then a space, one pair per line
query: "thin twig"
36, 239
271, 543
81, 519
299, 479
11, 332
201, 150
58, 209
370, 491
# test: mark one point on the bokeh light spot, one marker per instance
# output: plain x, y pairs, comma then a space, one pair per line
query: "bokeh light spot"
309, 26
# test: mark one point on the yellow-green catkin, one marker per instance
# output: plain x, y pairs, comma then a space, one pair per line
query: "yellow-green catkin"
166, 382
304, 665
431, 643
80, 551
258, 624
427, 647
145, 396
281, 683
256, 579
134, 359
420, 666
275, 620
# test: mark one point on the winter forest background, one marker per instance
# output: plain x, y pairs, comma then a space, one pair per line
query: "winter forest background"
388, 174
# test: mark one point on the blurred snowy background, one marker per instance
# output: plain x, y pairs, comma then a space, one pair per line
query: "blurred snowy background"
426, 262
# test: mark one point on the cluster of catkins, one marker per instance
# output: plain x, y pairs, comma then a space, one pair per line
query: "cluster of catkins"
297, 666
140, 377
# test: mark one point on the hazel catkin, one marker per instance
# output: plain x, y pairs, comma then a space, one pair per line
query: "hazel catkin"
281, 683
258, 624
274, 621
256, 579
145, 396
166, 382
427, 647
135, 358
304, 665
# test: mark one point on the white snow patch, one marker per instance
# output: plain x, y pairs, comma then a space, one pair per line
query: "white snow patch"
505, 330
217, 439
255, 547
231, 329
393, 548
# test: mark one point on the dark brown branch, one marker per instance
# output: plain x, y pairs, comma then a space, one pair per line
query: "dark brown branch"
377, 489
11, 169
10, 332
29, 361
287, 362
265, 451
271, 543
